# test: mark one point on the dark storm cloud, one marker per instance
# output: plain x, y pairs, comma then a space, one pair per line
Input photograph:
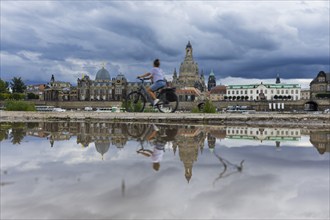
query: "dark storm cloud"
40, 38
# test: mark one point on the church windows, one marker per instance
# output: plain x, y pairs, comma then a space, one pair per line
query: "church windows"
241, 92
282, 91
292, 91
321, 79
251, 91
257, 91
286, 91
245, 92
297, 91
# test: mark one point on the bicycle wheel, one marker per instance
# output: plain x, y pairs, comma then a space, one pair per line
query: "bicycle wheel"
135, 102
168, 101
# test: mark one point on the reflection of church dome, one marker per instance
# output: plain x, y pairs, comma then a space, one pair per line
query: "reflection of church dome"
102, 74
102, 148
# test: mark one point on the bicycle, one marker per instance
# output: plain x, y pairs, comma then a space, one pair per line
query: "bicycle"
136, 100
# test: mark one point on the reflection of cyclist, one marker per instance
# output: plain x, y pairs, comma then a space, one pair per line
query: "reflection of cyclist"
157, 78
156, 154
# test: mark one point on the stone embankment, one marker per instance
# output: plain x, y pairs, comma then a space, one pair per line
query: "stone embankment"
260, 119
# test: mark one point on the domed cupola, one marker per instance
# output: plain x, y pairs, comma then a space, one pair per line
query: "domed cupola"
188, 45
102, 74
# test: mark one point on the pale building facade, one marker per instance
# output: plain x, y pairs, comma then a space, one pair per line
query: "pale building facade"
305, 94
218, 93
255, 92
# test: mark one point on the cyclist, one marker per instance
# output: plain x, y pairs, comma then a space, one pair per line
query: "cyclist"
157, 153
157, 78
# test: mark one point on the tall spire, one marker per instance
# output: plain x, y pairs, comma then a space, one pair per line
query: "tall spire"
188, 45
278, 80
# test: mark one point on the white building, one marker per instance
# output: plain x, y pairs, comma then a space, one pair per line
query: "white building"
263, 134
279, 91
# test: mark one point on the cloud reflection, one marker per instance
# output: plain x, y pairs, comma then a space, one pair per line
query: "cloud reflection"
70, 181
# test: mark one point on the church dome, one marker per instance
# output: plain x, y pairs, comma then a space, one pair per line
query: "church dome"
188, 45
212, 73
102, 74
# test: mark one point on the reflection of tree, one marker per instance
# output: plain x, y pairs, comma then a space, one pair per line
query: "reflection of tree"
4, 131
18, 133
225, 163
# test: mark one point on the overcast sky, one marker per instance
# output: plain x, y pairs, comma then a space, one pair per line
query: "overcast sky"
251, 40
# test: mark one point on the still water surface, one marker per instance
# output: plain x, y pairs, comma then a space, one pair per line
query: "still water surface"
88, 170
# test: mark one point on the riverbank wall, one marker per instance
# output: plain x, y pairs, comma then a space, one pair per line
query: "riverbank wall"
260, 119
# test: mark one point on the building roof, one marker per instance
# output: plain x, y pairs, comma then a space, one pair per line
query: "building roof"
322, 73
102, 74
271, 86
218, 89
212, 73
188, 91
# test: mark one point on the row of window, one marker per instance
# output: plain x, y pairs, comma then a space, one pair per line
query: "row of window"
291, 133
237, 92
101, 91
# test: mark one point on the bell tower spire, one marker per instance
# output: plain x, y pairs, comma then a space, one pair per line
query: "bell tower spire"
189, 51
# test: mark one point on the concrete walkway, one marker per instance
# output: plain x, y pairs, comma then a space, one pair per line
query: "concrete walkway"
269, 119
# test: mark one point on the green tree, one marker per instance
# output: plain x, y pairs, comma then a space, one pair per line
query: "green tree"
4, 86
17, 85
206, 107
32, 96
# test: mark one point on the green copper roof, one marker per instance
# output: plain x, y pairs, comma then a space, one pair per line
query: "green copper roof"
102, 74
271, 86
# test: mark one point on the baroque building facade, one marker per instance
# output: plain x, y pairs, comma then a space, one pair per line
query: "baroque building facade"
59, 91
103, 88
189, 73
320, 86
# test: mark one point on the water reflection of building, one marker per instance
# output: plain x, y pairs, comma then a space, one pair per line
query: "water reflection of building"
213, 134
264, 134
320, 140
211, 141
189, 140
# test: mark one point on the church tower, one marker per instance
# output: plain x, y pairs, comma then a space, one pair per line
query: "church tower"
189, 72
278, 80
212, 81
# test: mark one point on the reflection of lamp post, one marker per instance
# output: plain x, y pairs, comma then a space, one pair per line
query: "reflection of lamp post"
225, 163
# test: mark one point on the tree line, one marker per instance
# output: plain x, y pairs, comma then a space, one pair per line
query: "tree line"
15, 89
